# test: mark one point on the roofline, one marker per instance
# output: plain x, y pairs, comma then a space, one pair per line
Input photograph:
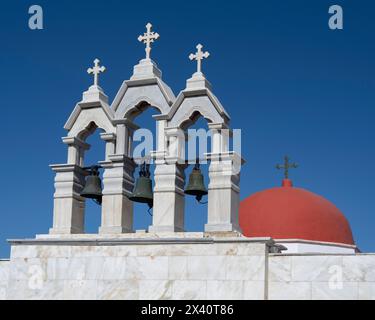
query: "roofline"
317, 242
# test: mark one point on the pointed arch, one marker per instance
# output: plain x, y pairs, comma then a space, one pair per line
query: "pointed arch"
135, 93
89, 117
193, 118
189, 110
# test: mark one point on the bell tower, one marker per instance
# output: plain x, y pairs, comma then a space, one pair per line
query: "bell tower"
76, 181
90, 113
195, 101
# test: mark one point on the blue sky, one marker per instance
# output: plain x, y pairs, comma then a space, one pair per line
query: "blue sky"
289, 82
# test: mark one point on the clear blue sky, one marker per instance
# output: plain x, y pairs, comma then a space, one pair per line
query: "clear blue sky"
293, 86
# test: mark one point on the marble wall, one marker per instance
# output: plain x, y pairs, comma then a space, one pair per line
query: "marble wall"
184, 269
322, 277
4, 272
161, 271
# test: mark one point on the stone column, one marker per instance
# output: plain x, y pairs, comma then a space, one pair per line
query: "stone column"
110, 143
118, 182
160, 134
220, 134
69, 206
169, 198
223, 192
121, 141
124, 136
169, 176
76, 150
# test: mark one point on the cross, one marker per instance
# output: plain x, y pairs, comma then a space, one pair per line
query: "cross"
96, 70
199, 55
148, 38
286, 166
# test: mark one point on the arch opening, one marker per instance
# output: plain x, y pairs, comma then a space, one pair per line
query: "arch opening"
96, 153
140, 108
198, 143
144, 141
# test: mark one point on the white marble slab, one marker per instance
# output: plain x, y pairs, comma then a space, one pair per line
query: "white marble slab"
366, 290
147, 268
80, 289
245, 268
289, 291
359, 268
189, 290
4, 277
117, 290
325, 291
254, 290
206, 268
177, 268
314, 268
155, 289
224, 290
280, 268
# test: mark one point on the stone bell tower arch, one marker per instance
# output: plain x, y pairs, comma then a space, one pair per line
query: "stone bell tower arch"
145, 89
90, 113
194, 101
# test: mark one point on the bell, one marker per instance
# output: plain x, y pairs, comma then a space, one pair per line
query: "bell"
196, 186
93, 186
143, 188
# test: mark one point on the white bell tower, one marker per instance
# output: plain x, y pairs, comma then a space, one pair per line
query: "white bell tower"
146, 89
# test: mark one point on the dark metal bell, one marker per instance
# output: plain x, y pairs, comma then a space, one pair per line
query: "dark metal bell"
196, 186
93, 186
143, 188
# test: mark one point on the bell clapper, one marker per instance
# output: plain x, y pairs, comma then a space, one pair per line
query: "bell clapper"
199, 200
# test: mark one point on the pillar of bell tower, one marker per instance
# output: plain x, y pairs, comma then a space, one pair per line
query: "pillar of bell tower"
223, 188
90, 113
169, 176
68, 206
118, 182
223, 192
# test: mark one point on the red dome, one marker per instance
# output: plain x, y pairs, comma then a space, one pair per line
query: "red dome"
293, 213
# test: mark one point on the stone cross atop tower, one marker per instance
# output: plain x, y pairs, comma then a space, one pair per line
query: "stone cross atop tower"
96, 70
95, 92
199, 56
148, 38
198, 79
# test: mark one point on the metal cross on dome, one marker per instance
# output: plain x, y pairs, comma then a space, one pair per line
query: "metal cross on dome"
286, 166
96, 70
148, 38
198, 56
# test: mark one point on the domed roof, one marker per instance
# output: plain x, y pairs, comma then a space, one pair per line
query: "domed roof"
293, 213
